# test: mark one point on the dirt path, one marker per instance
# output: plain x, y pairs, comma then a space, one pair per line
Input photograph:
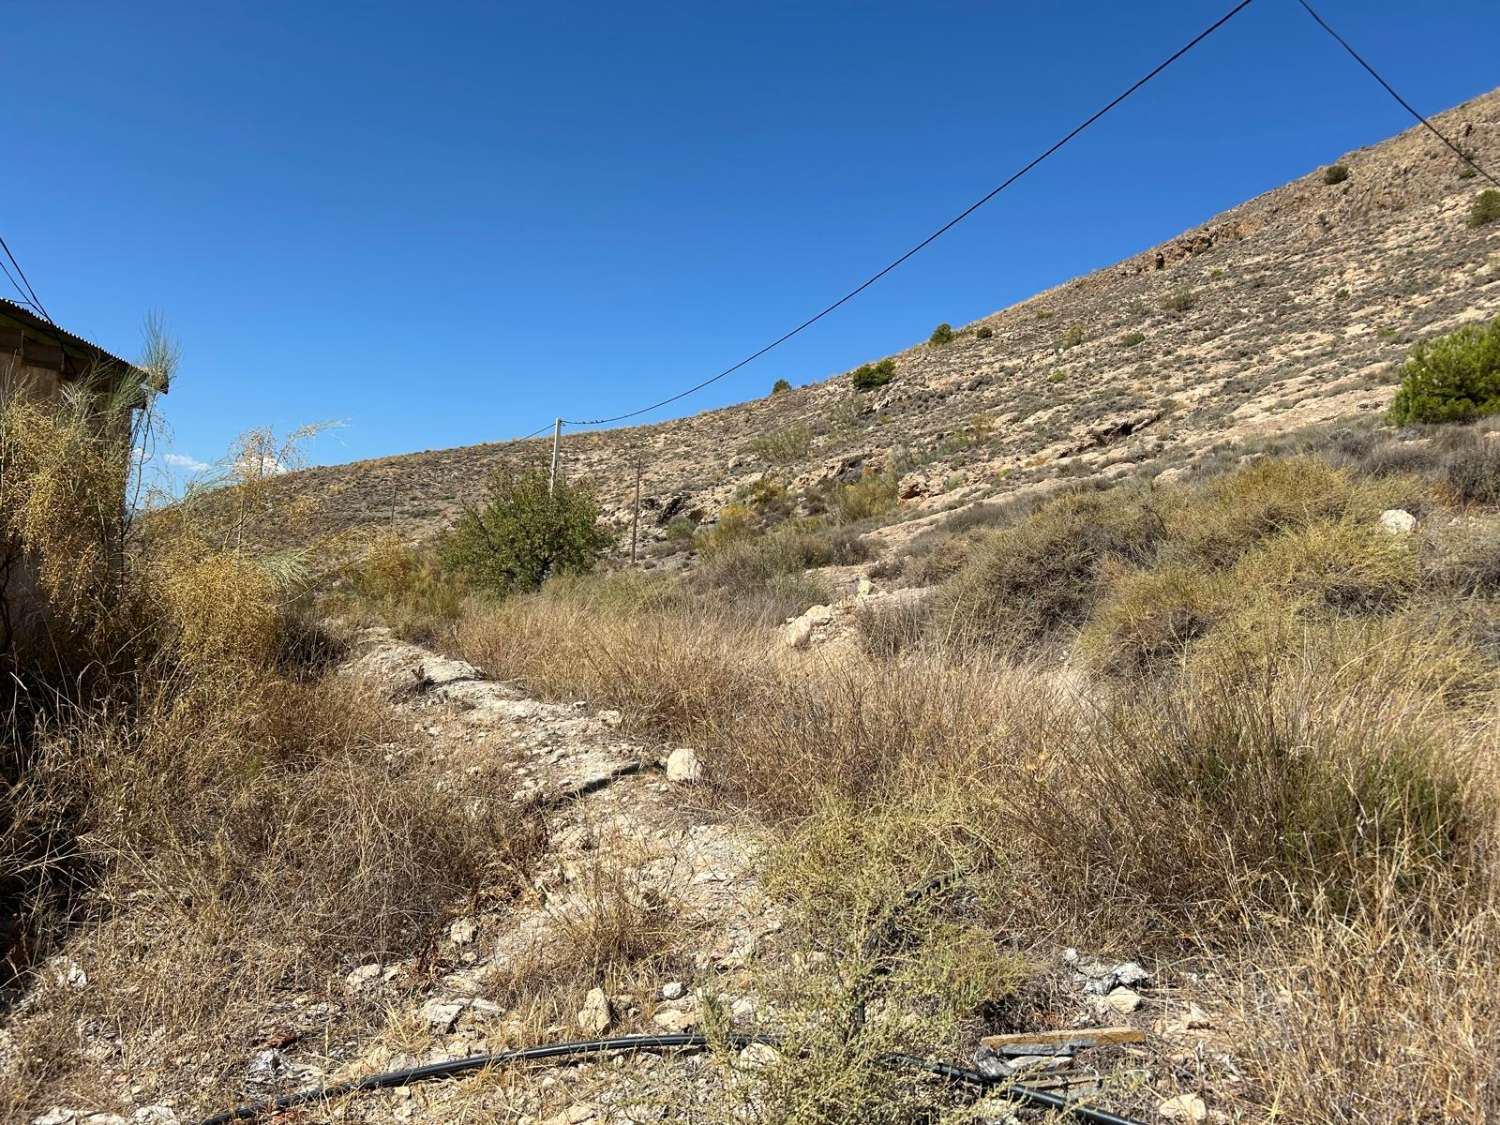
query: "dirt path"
635, 866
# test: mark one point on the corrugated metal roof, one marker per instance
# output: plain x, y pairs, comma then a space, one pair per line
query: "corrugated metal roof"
45, 330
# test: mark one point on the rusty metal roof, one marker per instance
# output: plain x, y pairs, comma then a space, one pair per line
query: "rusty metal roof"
44, 330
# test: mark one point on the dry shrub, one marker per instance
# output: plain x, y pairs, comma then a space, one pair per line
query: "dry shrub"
1151, 616
1230, 515
221, 611
1200, 807
404, 586
237, 841
1025, 583
65, 464
1343, 567
1376, 1022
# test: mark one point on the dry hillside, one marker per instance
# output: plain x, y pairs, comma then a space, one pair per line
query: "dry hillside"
1292, 308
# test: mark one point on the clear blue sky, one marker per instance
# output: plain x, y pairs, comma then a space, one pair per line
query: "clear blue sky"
446, 223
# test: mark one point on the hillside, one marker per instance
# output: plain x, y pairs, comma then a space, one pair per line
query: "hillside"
1293, 308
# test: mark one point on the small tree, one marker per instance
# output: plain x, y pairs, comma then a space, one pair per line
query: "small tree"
1335, 174
521, 535
942, 334
871, 375
781, 386
1452, 378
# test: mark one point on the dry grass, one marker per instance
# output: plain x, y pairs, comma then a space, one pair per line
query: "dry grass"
207, 821
1302, 795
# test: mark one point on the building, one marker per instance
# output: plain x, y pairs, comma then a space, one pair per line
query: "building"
38, 361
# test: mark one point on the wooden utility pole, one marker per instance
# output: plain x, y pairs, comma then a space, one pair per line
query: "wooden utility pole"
556, 453
635, 519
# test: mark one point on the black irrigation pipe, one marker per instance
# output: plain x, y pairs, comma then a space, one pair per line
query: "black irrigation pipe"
1022, 1095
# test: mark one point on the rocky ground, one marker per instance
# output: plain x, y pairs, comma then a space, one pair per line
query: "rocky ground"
635, 855
1294, 308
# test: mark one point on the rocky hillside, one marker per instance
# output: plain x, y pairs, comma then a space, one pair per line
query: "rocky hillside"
1294, 308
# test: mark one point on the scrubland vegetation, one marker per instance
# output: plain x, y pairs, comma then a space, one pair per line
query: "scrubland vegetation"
1241, 727
191, 805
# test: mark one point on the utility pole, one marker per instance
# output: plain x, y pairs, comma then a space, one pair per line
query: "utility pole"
635, 520
556, 453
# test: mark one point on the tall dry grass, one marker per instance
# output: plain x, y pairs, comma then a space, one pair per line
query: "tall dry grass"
197, 821
1301, 800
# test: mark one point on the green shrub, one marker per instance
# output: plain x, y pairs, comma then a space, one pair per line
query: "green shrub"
681, 530
1071, 338
1132, 339
1179, 300
781, 386
783, 446
984, 332
1486, 208
1453, 378
1335, 174
942, 334
521, 535
868, 376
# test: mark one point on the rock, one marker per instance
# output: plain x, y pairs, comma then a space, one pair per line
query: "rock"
155, 1115
610, 718
441, 1015
462, 932
683, 765
1398, 521
1194, 1019
865, 588
819, 614
1122, 1000
362, 977
673, 990
594, 1017
758, 1056
268, 1067
797, 633
1183, 1107
674, 1019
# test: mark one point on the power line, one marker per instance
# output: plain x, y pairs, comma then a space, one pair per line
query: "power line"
1391, 90
34, 300
25, 300
935, 235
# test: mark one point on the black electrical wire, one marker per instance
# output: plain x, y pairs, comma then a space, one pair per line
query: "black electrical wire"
1022, 1095
35, 300
1391, 90
16, 285
935, 235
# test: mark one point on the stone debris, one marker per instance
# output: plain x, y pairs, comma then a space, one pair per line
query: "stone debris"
1183, 1107
1397, 521
673, 990
683, 765
1120, 1001
596, 1014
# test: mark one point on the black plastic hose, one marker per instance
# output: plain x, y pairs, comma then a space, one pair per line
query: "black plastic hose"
1036, 1099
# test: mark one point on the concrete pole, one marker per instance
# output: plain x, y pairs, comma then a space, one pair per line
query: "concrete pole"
556, 453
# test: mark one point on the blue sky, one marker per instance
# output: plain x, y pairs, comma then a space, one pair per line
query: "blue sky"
446, 223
